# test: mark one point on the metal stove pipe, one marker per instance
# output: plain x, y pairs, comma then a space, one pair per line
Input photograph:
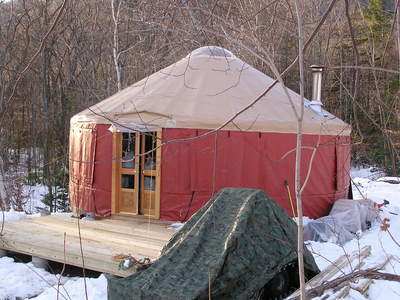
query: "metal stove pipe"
316, 102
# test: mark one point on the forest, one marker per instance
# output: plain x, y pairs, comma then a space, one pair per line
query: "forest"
57, 57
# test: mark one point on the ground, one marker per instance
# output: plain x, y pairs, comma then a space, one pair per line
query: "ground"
23, 280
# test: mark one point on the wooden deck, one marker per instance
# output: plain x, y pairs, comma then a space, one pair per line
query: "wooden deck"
101, 240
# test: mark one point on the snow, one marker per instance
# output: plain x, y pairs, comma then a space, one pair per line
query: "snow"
26, 281
384, 289
13, 215
33, 195
23, 280
393, 180
369, 172
75, 289
382, 244
176, 226
377, 191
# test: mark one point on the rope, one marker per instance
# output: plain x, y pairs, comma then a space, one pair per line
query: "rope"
128, 261
189, 206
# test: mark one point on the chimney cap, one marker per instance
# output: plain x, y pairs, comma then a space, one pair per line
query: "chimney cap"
317, 68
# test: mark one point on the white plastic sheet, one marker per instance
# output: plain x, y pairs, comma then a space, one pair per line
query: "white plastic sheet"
353, 215
346, 219
327, 229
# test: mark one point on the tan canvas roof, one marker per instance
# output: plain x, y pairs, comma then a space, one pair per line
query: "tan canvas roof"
204, 90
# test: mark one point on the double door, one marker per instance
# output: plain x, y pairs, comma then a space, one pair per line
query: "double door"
136, 174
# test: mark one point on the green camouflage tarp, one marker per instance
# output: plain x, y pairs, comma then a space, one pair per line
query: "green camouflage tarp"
230, 248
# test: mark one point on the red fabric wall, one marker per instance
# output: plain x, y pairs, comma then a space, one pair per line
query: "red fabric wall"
82, 147
90, 168
103, 170
192, 171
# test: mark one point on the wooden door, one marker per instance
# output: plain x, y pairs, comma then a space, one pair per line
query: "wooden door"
136, 174
126, 173
150, 174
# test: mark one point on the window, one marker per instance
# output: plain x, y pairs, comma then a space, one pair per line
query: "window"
128, 150
127, 181
149, 183
150, 143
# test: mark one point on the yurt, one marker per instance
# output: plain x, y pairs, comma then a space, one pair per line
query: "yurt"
163, 146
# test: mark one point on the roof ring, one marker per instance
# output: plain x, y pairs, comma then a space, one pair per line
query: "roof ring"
211, 51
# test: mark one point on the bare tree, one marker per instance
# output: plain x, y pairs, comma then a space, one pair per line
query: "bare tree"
298, 184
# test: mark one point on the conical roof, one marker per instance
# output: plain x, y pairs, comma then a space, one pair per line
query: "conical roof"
204, 90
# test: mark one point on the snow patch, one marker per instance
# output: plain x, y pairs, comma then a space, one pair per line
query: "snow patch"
13, 215
33, 197
75, 289
23, 280
176, 226
366, 172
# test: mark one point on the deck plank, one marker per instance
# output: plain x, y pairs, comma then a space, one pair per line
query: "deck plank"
101, 240
108, 226
88, 233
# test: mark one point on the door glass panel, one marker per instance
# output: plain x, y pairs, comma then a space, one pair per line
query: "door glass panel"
128, 150
150, 142
127, 181
149, 183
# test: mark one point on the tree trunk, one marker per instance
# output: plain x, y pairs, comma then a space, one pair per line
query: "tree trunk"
298, 187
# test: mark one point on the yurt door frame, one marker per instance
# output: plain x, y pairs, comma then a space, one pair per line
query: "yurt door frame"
136, 176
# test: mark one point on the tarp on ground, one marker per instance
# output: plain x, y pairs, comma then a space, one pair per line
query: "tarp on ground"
346, 219
235, 244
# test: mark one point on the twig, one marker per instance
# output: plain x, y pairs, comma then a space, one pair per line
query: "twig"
63, 268
33, 58
3, 219
83, 259
238, 113
368, 273
329, 68
40, 276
